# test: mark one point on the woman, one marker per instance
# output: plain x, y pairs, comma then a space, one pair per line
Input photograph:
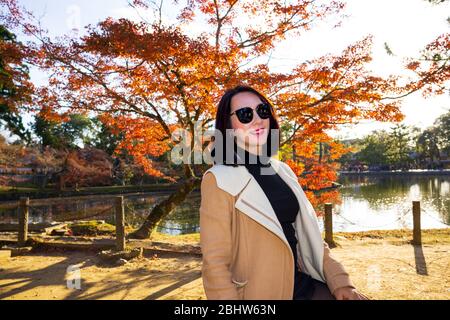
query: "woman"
258, 232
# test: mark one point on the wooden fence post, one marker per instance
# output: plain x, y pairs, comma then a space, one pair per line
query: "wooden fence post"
120, 224
328, 224
22, 236
417, 232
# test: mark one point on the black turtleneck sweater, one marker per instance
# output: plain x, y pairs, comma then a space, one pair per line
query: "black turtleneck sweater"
286, 207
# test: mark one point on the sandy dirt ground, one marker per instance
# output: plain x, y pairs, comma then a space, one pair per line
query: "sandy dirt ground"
379, 269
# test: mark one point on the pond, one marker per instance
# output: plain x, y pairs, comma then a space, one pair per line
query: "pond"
368, 203
385, 202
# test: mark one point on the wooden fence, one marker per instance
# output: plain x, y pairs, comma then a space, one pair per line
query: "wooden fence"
416, 232
24, 205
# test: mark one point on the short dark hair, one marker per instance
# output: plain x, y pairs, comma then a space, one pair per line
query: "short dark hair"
223, 122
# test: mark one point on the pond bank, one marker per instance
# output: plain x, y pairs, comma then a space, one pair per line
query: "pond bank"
382, 264
10, 194
444, 172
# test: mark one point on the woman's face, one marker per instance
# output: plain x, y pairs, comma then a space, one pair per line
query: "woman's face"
253, 134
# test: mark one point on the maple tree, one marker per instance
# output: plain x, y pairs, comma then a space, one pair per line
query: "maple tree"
15, 85
432, 68
85, 167
148, 79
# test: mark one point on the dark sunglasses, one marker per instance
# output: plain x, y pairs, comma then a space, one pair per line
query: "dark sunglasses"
245, 114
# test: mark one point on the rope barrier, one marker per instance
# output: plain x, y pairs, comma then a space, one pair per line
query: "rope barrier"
180, 229
30, 208
84, 217
434, 218
402, 215
188, 218
370, 227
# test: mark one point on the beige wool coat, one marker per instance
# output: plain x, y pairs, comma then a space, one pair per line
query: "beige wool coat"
245, 252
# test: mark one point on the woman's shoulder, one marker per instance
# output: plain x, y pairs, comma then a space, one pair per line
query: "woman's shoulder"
228, 178
286, 167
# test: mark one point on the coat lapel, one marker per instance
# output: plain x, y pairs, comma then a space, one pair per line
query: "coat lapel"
255, 204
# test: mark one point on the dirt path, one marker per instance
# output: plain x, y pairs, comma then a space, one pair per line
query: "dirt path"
380, 269
44, 276
388, 271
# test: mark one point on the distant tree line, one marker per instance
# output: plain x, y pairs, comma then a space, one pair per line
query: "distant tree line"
401, 148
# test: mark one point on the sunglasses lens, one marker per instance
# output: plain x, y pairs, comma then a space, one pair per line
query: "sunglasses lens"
263, 110
245, 115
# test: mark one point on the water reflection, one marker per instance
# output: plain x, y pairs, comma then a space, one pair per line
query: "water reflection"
385, 202
183, 220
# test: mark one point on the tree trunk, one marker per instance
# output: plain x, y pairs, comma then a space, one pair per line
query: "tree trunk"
161, 210
320, 152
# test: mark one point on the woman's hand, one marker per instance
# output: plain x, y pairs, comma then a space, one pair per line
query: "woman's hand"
348, 293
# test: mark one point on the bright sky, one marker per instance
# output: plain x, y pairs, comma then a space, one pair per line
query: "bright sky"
405, 25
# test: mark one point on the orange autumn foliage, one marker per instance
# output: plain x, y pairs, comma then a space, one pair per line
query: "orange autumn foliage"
151, 78
86, 167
